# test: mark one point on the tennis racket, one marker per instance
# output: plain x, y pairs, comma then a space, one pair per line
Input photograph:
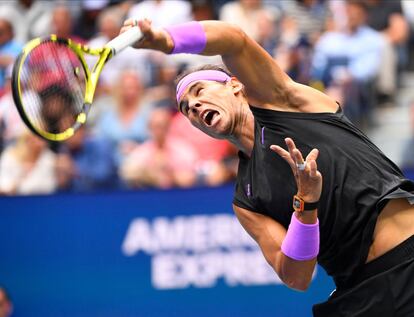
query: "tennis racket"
52, 85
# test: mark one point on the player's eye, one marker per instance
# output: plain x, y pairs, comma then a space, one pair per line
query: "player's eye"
199, 90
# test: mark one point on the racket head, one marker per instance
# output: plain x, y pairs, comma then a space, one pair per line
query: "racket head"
50, 80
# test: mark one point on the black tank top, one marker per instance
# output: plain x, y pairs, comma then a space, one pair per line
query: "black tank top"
357, 181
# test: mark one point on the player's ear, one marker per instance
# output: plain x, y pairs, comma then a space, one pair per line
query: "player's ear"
236, 85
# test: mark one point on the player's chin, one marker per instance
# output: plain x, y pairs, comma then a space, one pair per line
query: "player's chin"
217, 131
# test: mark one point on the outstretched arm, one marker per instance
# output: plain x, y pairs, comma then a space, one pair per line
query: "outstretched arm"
263, 79
291, 253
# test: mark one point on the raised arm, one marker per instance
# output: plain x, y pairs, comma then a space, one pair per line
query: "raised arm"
263, 79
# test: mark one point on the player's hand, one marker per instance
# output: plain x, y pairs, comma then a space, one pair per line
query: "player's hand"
308, 178
154, 38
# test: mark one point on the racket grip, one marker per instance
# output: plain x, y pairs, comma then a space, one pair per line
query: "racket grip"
124, 40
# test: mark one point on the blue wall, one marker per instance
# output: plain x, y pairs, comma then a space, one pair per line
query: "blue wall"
148, 253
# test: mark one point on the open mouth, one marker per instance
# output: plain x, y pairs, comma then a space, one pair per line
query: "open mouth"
209, 116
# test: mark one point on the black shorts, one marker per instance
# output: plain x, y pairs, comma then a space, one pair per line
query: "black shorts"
384, 287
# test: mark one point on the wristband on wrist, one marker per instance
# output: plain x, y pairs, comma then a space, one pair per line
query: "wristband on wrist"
302, 240
187, 37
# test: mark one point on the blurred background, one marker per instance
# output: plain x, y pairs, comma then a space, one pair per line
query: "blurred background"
103, 224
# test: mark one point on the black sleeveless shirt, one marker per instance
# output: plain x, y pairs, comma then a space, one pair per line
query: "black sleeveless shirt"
358, 179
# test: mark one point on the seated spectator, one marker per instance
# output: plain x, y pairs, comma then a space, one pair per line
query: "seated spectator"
86, 23
162, 161
85, 163
9, 49
10, 122
6, 306
387, 17
125, 123
348, 61
309, 16
217, 159
30, 18
162, 12
27, 167
407, 158
62, 23
252, 16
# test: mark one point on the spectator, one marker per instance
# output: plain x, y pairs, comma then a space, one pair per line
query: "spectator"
348, 61
408, 10
6, 306
162, 161
11, 124
125, 123
217, 160
407, 160
27, 167
309, 15
251, 15
9, 49
30, 18
162, 12
387, 17
203, 10
86, 26
62, 23
85, 163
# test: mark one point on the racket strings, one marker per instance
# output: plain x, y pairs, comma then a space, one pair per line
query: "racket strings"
52, 82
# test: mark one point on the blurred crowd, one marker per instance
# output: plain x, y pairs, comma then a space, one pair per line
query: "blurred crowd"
354, 50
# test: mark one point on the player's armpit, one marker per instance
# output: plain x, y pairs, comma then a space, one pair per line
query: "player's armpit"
269, 235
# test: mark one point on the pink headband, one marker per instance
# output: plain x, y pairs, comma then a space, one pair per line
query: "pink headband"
214, 75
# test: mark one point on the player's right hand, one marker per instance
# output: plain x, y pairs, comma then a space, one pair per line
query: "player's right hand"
154, 38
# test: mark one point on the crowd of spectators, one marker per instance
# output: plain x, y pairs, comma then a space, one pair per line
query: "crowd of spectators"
354, 50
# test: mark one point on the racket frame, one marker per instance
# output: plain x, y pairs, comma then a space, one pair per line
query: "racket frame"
91, 81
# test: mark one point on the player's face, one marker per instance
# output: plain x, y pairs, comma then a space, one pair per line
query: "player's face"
211, 107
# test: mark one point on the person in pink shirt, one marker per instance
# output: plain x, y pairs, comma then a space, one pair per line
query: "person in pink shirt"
163, 161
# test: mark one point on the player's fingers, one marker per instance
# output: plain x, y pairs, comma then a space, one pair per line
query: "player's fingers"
284, 154
129, 22
313, 168
291, 145
145, 25
313, 155
298, 158
124, 28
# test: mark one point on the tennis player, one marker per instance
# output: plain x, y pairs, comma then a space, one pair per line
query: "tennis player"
358, 223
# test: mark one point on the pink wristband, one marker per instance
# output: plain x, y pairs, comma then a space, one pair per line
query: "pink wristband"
188, 37
302, 240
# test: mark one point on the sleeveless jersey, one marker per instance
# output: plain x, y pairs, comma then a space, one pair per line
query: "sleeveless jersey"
358, 179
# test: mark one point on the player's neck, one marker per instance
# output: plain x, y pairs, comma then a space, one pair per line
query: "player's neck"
242, 135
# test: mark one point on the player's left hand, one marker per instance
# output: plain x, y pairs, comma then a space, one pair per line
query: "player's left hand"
308, 178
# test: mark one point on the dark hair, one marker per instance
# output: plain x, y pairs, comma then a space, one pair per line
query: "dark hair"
184, 73
360, 3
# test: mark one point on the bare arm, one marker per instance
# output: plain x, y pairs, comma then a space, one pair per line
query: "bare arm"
269, 234
263, 79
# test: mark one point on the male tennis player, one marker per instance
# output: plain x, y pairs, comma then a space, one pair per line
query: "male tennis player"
358, 224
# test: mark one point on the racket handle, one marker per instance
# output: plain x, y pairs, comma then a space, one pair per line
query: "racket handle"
124, 40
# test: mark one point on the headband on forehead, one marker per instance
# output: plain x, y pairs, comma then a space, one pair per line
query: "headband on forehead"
214, 75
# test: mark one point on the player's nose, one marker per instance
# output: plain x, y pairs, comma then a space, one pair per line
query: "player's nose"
194, 106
